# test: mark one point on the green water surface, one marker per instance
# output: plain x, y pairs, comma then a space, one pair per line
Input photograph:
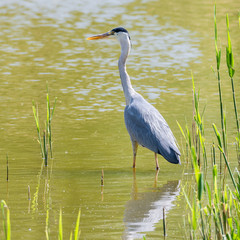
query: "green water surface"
45, 41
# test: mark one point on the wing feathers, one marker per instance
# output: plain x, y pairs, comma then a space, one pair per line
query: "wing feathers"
147, 126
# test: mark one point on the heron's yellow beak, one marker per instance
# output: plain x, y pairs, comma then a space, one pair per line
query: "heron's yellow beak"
104, 35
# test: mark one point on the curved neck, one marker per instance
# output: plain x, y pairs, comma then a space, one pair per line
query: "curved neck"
126, 83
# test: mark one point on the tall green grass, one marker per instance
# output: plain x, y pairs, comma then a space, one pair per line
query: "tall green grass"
218, 61
231, 71
77, 232
214, 210
214, 205
196, 140
45, 140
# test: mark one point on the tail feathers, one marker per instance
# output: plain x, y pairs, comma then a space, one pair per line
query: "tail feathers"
172, 157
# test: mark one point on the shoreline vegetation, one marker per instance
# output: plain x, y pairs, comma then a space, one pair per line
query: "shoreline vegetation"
213, 206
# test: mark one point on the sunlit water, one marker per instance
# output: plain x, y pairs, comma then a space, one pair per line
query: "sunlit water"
45, 42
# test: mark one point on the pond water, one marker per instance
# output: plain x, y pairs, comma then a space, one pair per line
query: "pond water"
45, 42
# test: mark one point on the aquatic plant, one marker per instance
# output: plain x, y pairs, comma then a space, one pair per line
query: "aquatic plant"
7, 168
164, 224
7, 224
77, 232
60, 231
214, 212
197, 140
218, 61
6, 220
231, 71
45, 141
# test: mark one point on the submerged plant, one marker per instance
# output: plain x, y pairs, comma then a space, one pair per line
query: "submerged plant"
45, 141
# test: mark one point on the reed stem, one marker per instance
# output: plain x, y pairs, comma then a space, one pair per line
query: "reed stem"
231, 71
235, 106
164, 224
29, 194
36, 117
7, 169
6, 220
60, 233
45, 148
102, 178
46, 141
218, 60
221, 109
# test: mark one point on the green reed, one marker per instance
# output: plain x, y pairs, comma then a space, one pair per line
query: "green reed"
220, 146
36, 117
197, 140
7, 224
47, 228
7, 168
6, 220
46, 140
77, 232
231, 71
60, 231
218, 61
239, 18
213, 212
214, 209
49, 120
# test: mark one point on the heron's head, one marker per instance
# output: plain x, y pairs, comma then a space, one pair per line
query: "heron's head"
119, 32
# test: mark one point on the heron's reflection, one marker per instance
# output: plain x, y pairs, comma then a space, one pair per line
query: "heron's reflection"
144, 210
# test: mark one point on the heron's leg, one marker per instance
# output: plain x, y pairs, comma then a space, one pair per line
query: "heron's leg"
156, 160
156, 178
135, 147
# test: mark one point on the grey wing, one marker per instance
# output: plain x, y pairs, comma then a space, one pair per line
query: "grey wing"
147, 126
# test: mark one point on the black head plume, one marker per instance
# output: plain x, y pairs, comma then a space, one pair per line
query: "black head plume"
120, 29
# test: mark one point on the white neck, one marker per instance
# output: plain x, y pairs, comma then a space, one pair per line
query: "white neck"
126, 83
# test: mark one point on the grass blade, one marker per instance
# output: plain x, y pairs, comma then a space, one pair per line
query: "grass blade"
60, 231
6, 221
229, 169
35, 113
47, 225
77, 232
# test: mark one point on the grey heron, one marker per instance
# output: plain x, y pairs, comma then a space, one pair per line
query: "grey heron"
145, 125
